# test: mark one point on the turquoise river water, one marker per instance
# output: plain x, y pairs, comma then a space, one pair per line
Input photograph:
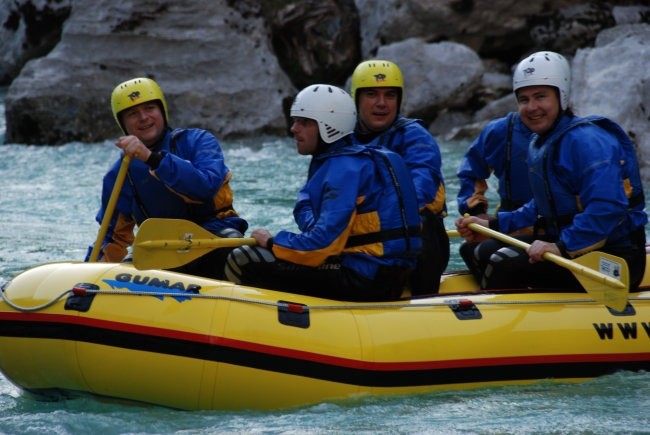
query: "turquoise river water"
48, 201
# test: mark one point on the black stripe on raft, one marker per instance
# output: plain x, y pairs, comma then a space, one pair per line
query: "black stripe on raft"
324, 367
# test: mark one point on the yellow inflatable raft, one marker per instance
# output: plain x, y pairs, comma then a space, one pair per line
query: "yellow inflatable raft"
187, 342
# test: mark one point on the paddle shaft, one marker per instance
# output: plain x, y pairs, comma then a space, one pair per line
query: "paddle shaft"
167, 243
110, 207
553, 258
197, 243
453, 233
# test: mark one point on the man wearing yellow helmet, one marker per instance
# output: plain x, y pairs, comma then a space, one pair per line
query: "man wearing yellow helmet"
179, 174
377, 89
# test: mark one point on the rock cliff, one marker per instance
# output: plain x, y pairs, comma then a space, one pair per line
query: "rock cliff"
233, 66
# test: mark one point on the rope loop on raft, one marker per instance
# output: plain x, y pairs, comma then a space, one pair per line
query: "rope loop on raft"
454, 300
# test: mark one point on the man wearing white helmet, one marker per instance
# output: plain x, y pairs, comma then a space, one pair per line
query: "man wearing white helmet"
587, 191
377, 87
174, 173
357, 214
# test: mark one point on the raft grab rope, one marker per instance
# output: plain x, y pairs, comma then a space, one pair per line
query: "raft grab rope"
452, 302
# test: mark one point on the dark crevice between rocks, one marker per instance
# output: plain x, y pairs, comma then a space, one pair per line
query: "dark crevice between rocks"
136, 19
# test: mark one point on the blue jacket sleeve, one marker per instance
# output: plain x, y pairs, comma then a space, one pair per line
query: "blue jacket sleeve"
488, 155
472, 173
334, 187
523, 217
197, 169
422, 155
303, 212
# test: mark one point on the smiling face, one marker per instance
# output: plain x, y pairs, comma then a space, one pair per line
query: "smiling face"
539, 107
305, 133
145, 121
377, 107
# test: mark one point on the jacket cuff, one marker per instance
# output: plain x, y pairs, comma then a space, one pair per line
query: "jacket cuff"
477, 209
493, 223
154, 160
562, 247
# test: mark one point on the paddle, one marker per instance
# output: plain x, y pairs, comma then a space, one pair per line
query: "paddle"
604, 288
453, 233
110, 207
168, 243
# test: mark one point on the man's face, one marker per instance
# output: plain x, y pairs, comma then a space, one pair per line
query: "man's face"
377, 107
539, 107
145, 121
305, 133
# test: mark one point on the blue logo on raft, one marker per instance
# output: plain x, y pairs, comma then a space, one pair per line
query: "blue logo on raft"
147, 284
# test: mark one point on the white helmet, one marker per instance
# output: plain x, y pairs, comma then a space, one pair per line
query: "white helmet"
544, 68
331, 107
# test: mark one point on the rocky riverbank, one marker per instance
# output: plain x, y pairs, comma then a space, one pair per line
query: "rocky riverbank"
234, 66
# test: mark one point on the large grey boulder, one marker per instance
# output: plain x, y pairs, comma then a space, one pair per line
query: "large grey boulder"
225, 65
613, 79
436, 75
473, 23
493, 28
570, 28
316, 41
29, 29
213, 61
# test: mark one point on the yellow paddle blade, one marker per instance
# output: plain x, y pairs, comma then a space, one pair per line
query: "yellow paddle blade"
614, 290
605, 277
168, 243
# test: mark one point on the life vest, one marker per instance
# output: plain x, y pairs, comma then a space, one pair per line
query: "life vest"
399, 220
631, 175
506, 184
556, 205
399, 138
391, 226
220, 207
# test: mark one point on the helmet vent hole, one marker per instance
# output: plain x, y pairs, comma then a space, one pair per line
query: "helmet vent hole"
331, 131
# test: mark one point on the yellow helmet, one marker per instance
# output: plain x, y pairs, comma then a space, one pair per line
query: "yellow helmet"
133, 92
376, 74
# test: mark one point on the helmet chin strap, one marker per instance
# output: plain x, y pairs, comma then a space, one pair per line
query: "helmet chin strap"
321, 146
159, 142
363, 127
